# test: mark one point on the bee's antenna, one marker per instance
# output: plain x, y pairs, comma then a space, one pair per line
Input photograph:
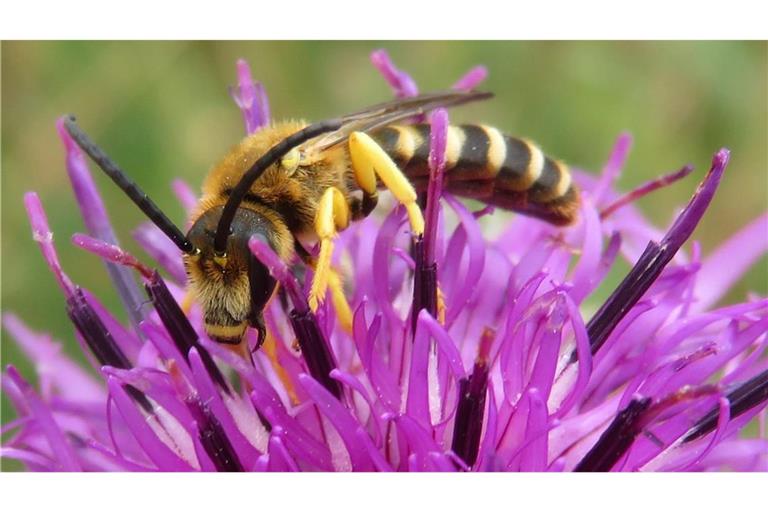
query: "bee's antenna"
138, 196
257, 169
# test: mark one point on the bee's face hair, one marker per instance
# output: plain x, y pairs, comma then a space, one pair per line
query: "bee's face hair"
229, 212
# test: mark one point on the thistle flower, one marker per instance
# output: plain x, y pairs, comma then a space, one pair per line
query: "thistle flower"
466, 354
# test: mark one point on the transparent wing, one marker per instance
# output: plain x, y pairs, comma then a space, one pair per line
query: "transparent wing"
390, 112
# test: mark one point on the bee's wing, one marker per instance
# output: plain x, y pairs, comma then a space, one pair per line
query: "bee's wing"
390, 112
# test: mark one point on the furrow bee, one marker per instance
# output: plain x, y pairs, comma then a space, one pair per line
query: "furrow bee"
293, 182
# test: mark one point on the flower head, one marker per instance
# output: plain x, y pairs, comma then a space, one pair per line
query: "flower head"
465, 353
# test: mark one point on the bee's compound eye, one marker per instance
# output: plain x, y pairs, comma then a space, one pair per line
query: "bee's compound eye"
291, 161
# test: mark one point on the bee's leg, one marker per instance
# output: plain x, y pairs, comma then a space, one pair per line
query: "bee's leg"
340, 303
332, 216
186, 301
370, 160
361, 208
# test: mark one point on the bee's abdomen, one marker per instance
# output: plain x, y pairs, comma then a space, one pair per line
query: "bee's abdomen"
484, 164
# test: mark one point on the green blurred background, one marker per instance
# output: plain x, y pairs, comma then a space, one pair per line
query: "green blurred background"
161, 110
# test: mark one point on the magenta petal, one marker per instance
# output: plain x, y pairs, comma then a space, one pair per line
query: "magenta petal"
463, 291
57, 441
584, 361
471, 79
67, 379
250, 98
382, 380
162, 250
728, 263
534, 455
417, 404
585, 275
612, 167
342, 421
157, 451
485, 458
126, 340
42, 234
543, 372
378, 460
210, 395
724, 417
111, 253
401, 82
279, 458
354, 383
184, 193
33, 460
97, 223
438, 139
301, 443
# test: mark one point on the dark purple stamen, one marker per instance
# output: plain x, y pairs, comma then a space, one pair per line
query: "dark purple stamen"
470, 411
314, 348
425, 276
654, 259
743, 398
424, 284
177, 324
100, 340
645, 189
616, 439
213, 438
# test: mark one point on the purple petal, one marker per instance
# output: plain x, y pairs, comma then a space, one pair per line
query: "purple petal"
342, 421
162, 250
160, 454
401, 82
471, 79
34, 461
543, 372
279, 458
109, 252
59, 445
722, 269
209, 393
534, 456
438, 139
461, 292
66, 378
184, 193
251, 98
645, 189
42, 234
488, 444
723, 418
417, 404
585, 274
655, 258
612, 167
97, 223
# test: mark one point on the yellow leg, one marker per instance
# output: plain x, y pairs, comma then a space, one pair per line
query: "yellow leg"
370, 160
332, 216
270, 348
186, 301
340, 304
440, 306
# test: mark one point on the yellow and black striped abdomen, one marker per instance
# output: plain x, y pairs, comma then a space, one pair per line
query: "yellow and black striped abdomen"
484, 164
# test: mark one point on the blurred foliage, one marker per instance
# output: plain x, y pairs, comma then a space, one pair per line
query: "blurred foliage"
161, 110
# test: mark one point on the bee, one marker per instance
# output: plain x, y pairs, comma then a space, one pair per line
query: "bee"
292, 183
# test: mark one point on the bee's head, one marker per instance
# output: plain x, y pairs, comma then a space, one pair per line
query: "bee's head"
233, 287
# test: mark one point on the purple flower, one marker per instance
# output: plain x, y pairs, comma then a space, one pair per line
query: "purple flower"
466, 354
